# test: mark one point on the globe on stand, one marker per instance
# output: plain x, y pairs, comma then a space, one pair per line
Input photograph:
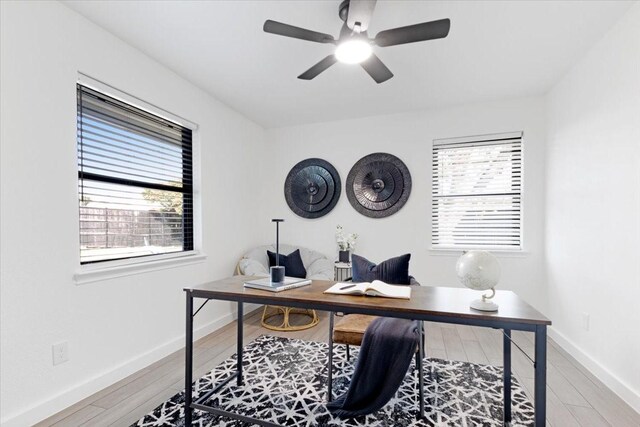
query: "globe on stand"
480, 271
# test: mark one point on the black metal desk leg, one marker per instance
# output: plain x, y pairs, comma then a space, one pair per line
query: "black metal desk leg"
188, 365
506, 374
330, 364
540, 392
420, 368
240, 344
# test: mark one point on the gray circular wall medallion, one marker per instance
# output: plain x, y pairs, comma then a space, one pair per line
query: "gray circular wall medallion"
312, 188
378, 185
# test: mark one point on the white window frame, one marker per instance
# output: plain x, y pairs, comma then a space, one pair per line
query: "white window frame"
106, 270
503, 251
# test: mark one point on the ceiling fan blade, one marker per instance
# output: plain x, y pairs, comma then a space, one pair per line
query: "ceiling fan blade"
414, 33
360, 11
376, 69
318, 68
287, 30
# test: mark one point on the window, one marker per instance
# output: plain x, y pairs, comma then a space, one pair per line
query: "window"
135, 181
476, 194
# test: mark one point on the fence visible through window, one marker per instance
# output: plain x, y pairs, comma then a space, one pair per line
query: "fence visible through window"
104, 231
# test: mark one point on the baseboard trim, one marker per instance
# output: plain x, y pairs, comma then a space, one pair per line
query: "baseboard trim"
618, 386
51, 406
55, 404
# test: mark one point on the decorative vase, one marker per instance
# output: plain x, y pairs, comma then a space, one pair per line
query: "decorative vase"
343, 256
277, 274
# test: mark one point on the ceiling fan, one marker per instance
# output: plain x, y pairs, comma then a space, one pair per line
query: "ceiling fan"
353, 46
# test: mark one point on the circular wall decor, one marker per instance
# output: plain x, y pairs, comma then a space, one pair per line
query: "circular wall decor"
378, 185
312, 188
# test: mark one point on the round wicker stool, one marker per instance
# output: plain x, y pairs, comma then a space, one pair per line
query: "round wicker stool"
285, 312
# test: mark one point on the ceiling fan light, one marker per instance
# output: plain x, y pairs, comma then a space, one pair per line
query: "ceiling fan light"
353, 51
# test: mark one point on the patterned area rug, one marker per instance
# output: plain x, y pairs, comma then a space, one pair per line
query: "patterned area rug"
285, 383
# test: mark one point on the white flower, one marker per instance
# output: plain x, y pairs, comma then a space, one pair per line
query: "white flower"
345, 243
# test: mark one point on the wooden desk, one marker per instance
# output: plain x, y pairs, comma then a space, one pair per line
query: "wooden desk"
434, 304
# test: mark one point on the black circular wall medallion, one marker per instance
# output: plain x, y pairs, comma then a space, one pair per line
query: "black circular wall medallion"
378, 185
312, 188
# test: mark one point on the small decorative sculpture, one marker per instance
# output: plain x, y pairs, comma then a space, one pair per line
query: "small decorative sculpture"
277, 271
480, 271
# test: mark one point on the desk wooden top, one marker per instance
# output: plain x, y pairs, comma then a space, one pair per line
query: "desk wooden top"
425, 300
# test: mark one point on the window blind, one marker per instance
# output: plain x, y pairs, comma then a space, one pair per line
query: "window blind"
477, 192
135, 178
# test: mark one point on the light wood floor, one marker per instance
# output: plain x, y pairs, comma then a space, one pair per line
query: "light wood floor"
574, 396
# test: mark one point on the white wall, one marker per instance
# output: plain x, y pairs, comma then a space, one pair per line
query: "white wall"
593, 208
409, 136
117, 326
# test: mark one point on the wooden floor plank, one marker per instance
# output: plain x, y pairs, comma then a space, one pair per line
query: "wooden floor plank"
437, 354
556, 357
474, 352
453, 345
523, 339
588, 417
89, 400
466, 333
585, 371
615, 412
557, 412
81, 416
565, 391
574, 396
496, 362
148, 406
520, 364
433, 335
492, 349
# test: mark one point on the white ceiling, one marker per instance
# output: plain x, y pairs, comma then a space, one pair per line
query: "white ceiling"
495, 50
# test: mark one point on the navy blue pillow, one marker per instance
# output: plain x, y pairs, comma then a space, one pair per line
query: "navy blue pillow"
292, 263
394, 270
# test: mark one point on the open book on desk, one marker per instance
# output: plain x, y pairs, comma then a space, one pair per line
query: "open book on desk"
376, 288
